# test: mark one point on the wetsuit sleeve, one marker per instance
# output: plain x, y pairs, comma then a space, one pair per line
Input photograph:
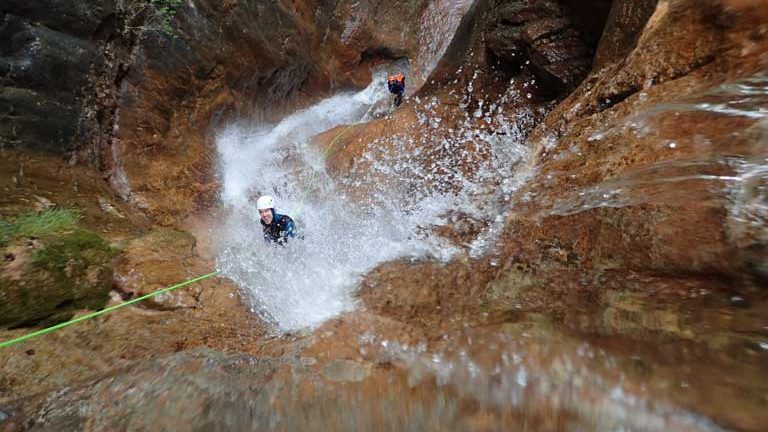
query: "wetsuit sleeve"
290, 228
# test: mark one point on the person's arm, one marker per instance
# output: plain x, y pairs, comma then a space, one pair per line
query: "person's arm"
290, 228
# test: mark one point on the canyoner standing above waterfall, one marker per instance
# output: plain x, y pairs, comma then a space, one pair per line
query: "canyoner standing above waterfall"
396, 86
277, 228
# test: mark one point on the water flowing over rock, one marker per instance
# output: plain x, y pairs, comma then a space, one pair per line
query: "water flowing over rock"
628, 122
562, 227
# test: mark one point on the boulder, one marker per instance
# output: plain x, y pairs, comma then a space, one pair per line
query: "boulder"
46, 280
157, 260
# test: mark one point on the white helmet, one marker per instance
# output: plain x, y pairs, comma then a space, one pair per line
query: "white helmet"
265, 202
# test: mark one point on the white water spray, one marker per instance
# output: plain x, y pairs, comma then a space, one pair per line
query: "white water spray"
311, 279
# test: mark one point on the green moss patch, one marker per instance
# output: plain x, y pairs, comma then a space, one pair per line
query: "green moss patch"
53, 269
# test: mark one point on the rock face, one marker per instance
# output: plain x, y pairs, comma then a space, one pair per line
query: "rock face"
46, 280
143, 105
157, 260
542, 34
480, 98
640, 216
234, 59
641, 219
625, 23
623, 161
48, 54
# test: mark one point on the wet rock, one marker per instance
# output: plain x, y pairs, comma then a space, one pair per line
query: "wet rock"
50, 278
45, 71
80, 18
739, 301
626, 21
138, 103
633, 124
629, 314
460, 228
346, 370
185, 383
542, 34
229, 60
425, 293
159, 259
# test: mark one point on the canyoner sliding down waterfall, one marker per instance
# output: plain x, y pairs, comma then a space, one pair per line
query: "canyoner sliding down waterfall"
277, 228
396, 86
324, 266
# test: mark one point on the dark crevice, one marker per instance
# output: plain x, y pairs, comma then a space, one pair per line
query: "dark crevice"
606, 102
380, 53
65, 304
106, 28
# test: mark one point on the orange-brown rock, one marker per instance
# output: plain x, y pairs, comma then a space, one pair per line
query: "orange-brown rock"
628, 165
211, 312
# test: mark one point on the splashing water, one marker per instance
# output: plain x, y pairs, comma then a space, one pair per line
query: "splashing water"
537, 372
311, 279
727, 170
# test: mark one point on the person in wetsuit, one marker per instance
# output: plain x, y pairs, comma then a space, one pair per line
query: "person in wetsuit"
396, 86
277, 228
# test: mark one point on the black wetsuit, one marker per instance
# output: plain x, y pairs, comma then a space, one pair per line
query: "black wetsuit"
281, 228
397, 87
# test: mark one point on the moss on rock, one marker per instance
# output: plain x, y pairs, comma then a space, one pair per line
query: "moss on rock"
45, 280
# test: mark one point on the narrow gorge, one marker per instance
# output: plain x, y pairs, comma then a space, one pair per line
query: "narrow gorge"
563, 227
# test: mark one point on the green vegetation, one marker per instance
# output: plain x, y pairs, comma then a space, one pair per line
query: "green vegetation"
85, 245
6, 231
65, 269
144, 16
38, 223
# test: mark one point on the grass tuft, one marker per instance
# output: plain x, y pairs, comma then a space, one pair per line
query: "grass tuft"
39, 223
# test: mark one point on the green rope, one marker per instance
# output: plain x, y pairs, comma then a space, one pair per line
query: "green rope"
103, 311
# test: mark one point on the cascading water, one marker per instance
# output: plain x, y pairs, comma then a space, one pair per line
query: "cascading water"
725, 168
309, 280
312, 279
